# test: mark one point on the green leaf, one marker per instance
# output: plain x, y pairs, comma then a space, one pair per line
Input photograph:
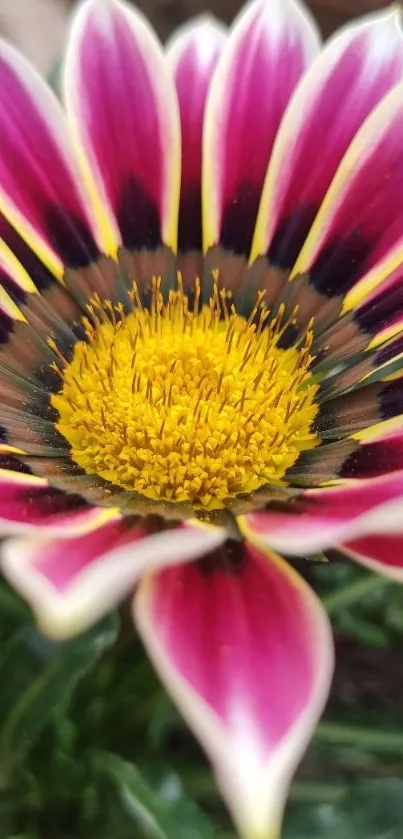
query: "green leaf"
394, 610
375, 809
167, 814
370, 810
52, 672
14, 612
356, 626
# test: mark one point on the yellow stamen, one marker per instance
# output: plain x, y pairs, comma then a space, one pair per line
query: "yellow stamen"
186, 405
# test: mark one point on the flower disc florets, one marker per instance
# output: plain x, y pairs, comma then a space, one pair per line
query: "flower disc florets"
186, 405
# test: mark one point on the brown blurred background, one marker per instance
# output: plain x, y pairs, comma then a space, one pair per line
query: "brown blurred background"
39, 26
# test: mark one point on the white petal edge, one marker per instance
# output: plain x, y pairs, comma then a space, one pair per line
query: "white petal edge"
371, 133
301, 103
101, 586
382, 569
204, 32
256, 804
50, 108
146, 37
279, 11
69, 526
384, 518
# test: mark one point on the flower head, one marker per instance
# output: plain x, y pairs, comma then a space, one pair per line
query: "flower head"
201, 321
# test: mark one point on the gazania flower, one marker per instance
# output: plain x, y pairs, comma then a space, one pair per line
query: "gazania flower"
201, 327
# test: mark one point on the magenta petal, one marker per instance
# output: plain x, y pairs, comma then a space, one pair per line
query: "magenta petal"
124, 114
39, 185
383, 554
245, 650
380, 452
357, 68
193, 54
356, 239
71, 582
28, 503
324, 518
269, 48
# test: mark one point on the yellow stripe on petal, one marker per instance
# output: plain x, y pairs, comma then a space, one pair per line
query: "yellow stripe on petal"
122, 106
372, 280
269, 48
6, 449
35, 242
323, 221
368, 52
379, 430
9, 307
107, 232
372, 148
169, 229
377, 370
392, 376
21, 478
13, 266
204, 525
385, 335
210, 210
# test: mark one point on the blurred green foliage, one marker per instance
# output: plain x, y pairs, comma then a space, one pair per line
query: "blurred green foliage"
92, 748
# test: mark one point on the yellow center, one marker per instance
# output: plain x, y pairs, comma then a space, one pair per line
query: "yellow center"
183, 405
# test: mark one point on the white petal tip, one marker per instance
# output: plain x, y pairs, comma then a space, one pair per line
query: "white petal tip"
205, 34
254, 757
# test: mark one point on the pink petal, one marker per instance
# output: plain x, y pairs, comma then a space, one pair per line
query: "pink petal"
28, 503
322, 518
245, 649
270, 47
124, 115
383, 554
193, 54
70, 583
379, 453
39, 185
357, 234
354, 72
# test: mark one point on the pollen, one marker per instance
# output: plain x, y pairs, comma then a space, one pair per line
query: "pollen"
186, 403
